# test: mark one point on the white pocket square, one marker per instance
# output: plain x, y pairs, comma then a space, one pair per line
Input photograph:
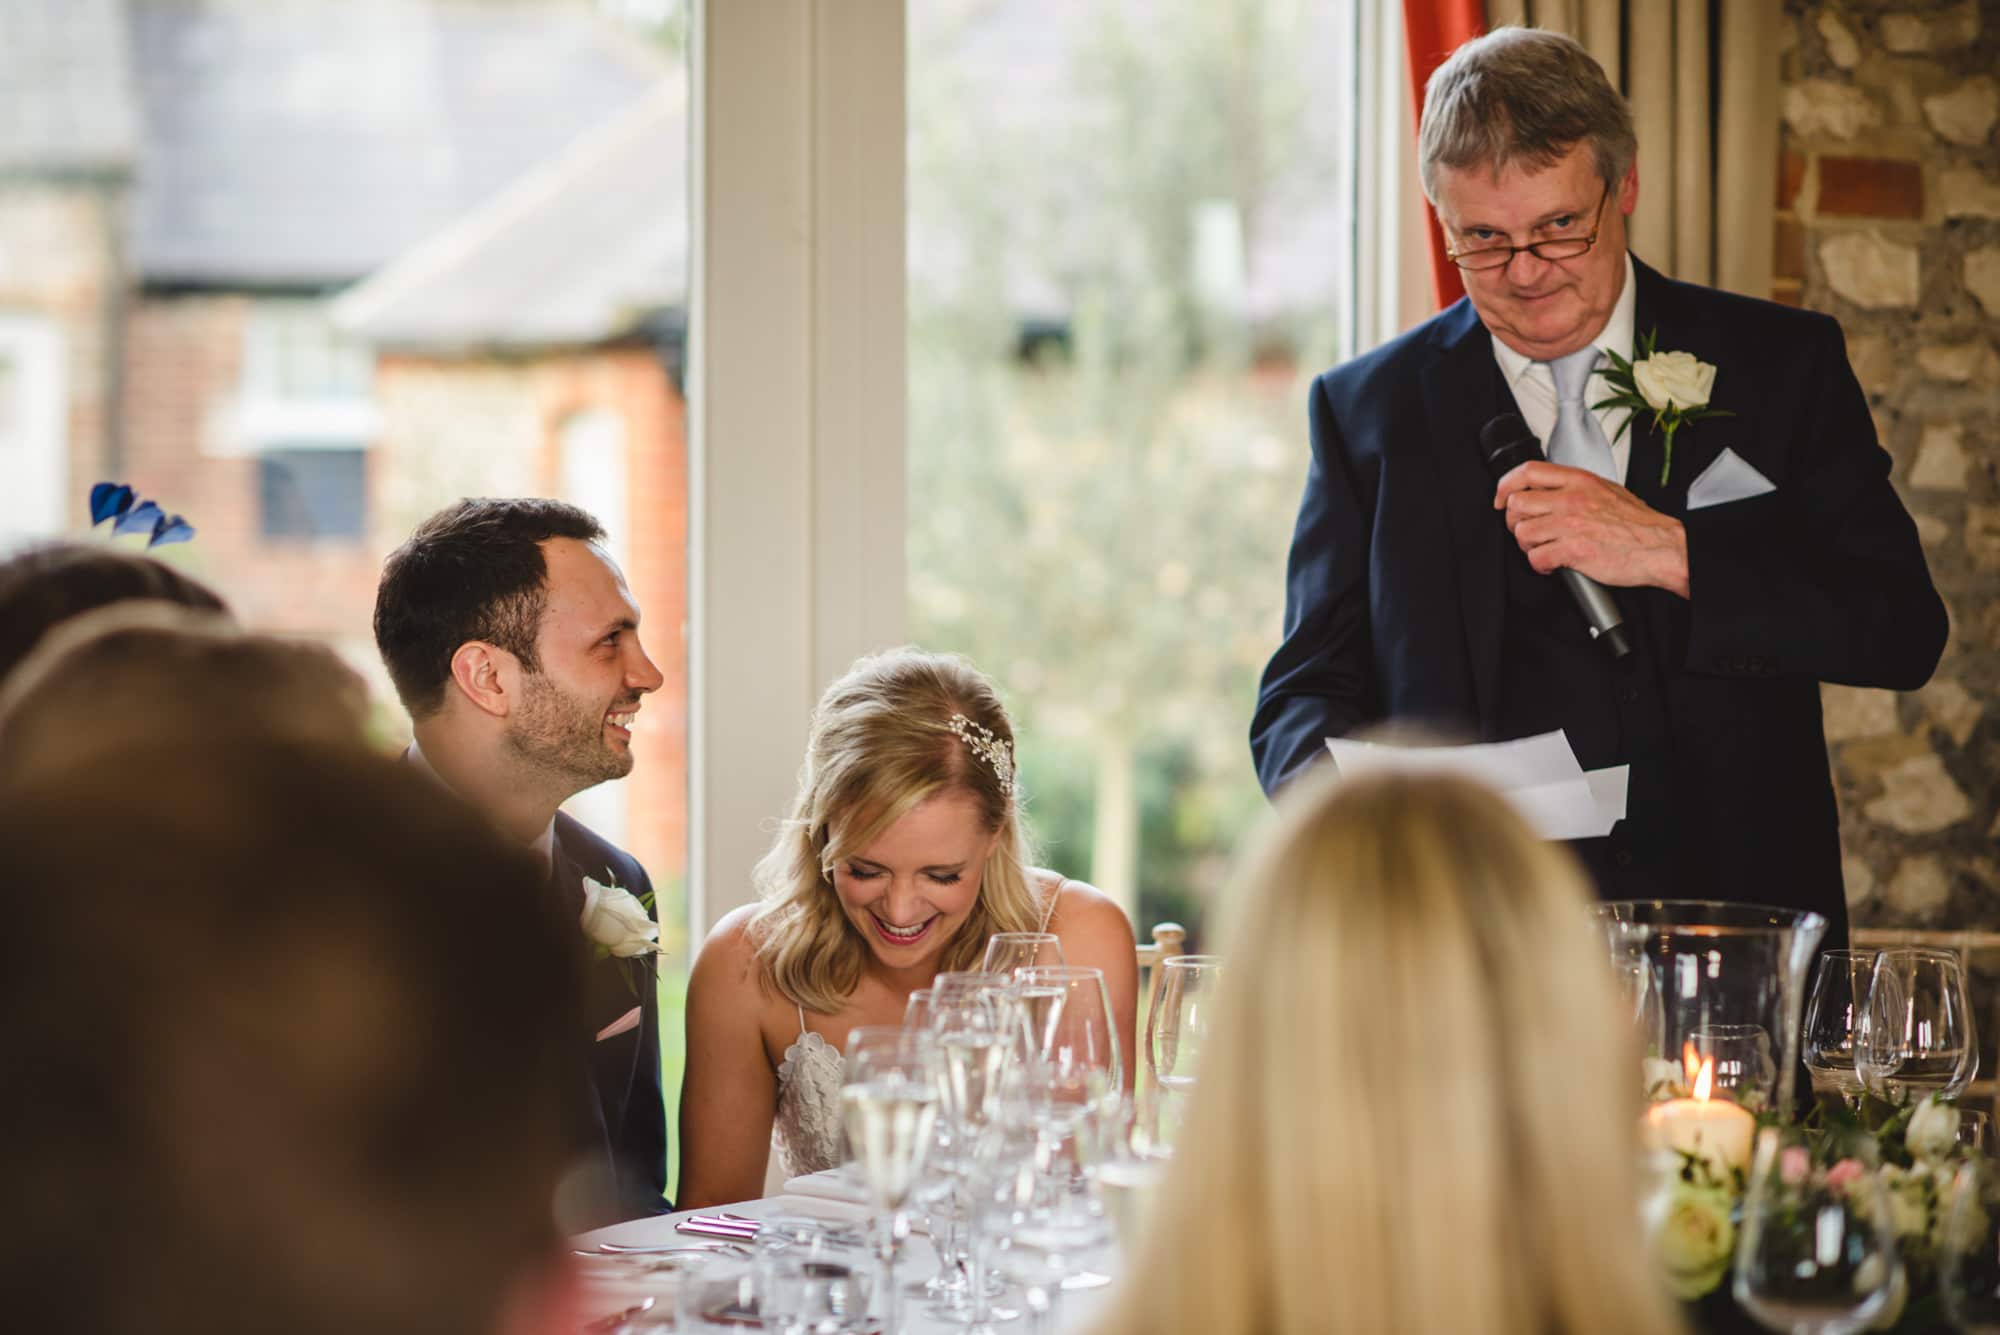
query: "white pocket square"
1728, 479
629, 1020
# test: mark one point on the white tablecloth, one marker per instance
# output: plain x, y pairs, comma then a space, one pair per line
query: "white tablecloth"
607, 1290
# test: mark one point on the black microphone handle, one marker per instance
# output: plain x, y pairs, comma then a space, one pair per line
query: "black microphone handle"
1599, 610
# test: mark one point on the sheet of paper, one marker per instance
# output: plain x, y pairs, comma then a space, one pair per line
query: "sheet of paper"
1539, 775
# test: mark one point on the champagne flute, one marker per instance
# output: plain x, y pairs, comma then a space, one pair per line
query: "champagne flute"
1008, 951
970, 1021
889, 1108
917, 1010
1839, 991
1816, 1255
1915, 1035
1969, 1254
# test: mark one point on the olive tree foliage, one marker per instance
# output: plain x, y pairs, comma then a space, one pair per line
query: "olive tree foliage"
1106, 444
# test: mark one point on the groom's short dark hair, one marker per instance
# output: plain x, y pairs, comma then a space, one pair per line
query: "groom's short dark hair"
472, 571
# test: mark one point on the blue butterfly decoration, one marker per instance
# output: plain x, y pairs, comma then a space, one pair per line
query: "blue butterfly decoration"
130, 513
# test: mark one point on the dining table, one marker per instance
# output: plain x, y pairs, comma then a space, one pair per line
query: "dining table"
612, 1287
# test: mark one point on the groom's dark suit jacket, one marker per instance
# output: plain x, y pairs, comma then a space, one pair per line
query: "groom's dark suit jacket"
1407, 599
624, 1119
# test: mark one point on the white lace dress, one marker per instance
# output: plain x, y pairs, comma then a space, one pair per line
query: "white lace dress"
806, 1132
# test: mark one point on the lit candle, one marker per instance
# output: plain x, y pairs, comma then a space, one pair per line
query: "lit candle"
1715, 1131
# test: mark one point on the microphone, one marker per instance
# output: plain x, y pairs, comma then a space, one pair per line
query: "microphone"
1507, 444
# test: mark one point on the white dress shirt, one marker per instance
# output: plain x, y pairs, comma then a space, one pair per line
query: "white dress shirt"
1535, 389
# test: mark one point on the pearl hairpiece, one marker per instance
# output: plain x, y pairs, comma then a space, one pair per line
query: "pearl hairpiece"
980, 740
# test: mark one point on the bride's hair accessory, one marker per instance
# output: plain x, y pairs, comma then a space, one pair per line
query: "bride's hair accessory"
996, 753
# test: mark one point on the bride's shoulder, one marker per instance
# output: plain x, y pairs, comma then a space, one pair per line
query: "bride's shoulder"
1079, 904
729, 956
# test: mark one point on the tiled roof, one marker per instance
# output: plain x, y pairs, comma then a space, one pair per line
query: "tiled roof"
295, 144
65, 92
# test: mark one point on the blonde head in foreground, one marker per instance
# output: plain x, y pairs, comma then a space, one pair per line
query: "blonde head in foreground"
1417, 1112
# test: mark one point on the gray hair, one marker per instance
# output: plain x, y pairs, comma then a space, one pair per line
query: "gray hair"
1522, 95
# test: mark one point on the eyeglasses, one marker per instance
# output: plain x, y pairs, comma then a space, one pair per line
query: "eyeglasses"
1554, 248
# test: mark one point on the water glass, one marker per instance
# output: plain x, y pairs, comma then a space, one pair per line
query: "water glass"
1008, 951
1839, 990
1915, 1035
1817, 1255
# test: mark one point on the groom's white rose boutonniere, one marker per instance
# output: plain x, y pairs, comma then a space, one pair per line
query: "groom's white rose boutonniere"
1673, 386
617, 922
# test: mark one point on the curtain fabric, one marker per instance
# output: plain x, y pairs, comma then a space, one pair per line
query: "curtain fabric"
1432, 30
1702, 80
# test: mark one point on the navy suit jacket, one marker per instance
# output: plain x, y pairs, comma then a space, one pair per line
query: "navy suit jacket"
625, 1119
1395, 587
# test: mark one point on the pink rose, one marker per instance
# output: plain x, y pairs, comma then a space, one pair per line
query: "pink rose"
1794, 1164
1847, 1170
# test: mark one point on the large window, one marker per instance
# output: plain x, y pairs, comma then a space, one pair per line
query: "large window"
1131, 244
307, 272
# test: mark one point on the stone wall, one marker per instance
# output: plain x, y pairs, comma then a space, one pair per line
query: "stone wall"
1889, 220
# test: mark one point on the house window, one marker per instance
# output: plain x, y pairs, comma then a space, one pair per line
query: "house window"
313, 493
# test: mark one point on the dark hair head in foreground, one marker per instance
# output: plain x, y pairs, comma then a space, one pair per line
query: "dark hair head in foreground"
287, 1039
46, 585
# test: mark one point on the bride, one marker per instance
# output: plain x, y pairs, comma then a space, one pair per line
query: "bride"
906, 849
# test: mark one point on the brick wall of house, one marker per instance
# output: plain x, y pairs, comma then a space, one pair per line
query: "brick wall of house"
58, 260
183, 365
1889, 199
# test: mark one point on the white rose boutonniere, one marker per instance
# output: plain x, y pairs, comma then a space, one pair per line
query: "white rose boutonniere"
1673, 386
617, 922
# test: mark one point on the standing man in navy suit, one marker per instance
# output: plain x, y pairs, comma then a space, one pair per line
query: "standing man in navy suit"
1769, 553
514, 644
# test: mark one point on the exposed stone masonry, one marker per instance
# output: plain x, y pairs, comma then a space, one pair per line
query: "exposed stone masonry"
1889, 220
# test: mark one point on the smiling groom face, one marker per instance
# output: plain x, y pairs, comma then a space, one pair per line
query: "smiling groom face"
577, 713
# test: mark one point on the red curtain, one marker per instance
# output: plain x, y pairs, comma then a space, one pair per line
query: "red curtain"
1432, 30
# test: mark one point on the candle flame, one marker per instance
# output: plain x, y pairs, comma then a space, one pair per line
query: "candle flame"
1700, 1071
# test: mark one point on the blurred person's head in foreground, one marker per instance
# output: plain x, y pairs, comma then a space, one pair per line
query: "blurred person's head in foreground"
287, 1054
513, 641
45, 585
1417, 1110
135, 672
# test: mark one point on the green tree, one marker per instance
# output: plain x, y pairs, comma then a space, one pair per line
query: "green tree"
1104, 446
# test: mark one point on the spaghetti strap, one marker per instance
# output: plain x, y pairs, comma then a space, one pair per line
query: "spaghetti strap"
1050, 912
802, 1018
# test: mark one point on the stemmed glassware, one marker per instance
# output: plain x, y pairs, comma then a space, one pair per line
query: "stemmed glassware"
1915, 1034
1177, 1026
1008, 951
1817, 1254
889, 1107
970, 1019
1839, 991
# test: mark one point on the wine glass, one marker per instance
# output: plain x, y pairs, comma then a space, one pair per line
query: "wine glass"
917, 1010
1008, 951
1066, 1020
1839, 990
1915, 1034
889, 1107
1969, 1253
971, 1023
1816, 1255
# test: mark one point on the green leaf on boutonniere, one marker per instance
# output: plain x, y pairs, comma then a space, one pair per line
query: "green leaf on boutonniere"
1675, 390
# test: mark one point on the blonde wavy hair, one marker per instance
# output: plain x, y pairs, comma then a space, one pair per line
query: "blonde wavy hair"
1418, 1111
882, 744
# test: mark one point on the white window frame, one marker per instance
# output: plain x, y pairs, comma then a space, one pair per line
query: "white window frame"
797, 387
796, 393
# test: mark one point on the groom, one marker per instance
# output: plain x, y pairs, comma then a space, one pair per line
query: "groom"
1766, 554
514, 644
